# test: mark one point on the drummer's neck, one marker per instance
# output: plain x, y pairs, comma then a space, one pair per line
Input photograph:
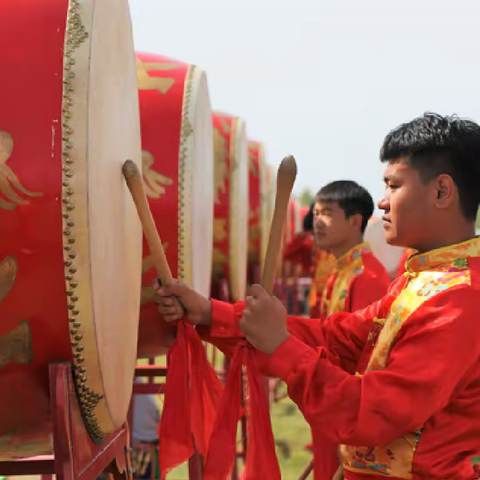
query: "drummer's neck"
342, 248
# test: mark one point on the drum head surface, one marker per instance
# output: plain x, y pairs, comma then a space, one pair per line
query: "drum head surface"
200, 172
106, 132
239, 209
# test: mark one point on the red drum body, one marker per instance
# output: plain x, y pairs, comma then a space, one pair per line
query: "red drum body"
230, 232
177, 155
257, 215
71, 240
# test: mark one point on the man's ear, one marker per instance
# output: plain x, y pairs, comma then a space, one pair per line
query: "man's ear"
356, 221
445, 191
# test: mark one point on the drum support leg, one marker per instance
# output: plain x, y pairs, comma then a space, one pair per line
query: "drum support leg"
75, 457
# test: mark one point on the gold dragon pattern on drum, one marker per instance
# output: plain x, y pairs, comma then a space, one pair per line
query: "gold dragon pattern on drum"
8, 179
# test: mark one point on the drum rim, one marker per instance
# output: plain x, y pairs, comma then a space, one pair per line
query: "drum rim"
194, 83
237, 265
88, 377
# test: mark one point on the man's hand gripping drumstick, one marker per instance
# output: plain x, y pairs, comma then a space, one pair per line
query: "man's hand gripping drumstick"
264, 320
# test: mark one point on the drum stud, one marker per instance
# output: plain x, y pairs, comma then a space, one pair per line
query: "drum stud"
71, 240
82, 369
75, 312
66, 200
78, 337
67, 247
74, 299
73, 284
66, 183
66, 215
70, 206
80, 359
71, 61
69, 174
72, 319
72, 255
69, 144
80, 348
74, 344
68, 277
69, 160
77, 325
73, 270
67, 232
73, 331
70, 223
71, 307
66, 113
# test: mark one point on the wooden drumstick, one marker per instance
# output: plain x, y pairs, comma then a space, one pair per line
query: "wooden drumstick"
134, 181
287, 172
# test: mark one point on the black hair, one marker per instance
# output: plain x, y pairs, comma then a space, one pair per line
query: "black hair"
352, 198
308, 220
436, 145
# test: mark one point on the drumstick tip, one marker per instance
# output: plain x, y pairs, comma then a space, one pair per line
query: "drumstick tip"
130, 170
288, 166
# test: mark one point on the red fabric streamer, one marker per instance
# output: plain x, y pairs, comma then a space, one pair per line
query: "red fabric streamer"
261, 463
192, 398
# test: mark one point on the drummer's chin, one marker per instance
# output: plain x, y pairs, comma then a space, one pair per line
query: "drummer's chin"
391, 236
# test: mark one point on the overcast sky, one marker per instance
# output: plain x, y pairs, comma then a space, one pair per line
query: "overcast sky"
324, 80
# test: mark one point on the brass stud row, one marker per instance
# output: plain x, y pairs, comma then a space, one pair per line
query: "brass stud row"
184, 233
75, 36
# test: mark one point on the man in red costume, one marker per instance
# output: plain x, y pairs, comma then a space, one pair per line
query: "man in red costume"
397, 384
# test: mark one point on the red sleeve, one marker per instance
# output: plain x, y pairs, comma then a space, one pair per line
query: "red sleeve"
343, 334
366, 289
433, 350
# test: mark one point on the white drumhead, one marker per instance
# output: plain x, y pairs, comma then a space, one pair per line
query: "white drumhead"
198, 245
238, 209
104, 117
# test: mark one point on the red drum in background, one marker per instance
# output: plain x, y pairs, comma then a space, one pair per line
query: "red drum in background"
230, 231
257, 215
177, 157
71, 239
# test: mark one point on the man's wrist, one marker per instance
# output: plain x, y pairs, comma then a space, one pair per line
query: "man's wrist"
206, 319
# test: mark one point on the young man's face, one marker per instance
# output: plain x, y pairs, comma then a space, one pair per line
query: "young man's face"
408, 204
330, 226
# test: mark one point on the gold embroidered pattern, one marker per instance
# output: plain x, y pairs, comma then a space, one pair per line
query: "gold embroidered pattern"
348, 266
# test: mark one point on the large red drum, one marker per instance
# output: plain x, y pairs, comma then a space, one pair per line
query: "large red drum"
257, 215
70, 248
177, 154
230, 231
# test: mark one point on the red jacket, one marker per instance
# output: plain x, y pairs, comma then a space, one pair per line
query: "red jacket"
398, 383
